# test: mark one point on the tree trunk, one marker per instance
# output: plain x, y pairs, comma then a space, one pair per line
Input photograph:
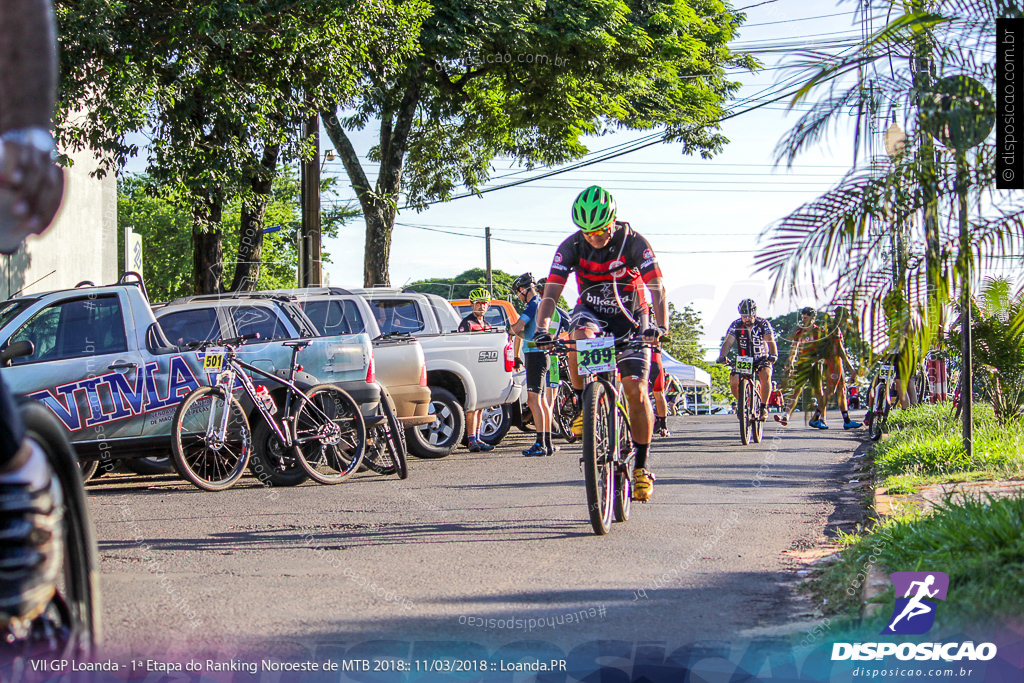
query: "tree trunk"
254, 208
207, 248
380, 205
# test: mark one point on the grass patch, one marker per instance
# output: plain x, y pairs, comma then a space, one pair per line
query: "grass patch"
925, 441
978, 543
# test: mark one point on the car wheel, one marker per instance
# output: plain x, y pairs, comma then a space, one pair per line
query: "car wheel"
440, 437
494, 424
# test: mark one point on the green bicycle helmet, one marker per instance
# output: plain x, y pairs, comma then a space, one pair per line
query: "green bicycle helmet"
479, 294
593, 210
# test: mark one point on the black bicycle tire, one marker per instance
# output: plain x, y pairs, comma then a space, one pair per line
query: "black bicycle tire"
187, 471
623, 479
81, 576
595, 423
351, 461
756, 425
741, 408
393, 434
565, 419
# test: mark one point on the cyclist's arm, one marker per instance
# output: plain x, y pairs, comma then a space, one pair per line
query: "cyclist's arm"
552, 290
658, 301
517, 329
726, 346
773, 348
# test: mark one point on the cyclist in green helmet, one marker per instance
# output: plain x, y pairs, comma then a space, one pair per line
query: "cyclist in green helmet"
614, 265
476, 322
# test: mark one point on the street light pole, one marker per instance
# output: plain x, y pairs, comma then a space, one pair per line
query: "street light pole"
490, 279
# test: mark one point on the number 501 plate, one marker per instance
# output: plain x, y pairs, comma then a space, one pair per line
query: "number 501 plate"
595, 355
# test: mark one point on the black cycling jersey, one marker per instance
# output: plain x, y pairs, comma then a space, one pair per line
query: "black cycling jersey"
625, 264
751, 338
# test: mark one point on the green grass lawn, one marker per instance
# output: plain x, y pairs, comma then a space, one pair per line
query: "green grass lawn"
925, 446
978, 543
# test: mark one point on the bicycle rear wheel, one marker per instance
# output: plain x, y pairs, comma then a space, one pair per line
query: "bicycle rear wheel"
754, 419
623, 470
598, 455
879, 412
330, 436
742, 409
387, 453
69, 627
206, 458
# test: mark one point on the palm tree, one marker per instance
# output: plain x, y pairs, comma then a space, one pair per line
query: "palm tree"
884, 242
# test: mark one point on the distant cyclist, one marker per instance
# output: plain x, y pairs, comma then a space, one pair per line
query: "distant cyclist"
476, 321
31, 187
614, 265
753, 336
524, 287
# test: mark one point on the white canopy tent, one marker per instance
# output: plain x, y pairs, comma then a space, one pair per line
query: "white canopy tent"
687, 375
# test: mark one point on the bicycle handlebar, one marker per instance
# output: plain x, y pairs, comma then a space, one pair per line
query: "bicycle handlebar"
231, 343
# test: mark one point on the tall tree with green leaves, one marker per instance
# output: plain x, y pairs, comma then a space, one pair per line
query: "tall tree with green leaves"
164, 223
221, 88
526, 80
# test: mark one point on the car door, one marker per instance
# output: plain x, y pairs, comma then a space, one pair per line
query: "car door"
83, 366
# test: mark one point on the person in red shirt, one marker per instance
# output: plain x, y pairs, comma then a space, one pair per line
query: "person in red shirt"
476, 322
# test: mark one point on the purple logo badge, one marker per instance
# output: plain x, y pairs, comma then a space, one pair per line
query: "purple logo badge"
916, 593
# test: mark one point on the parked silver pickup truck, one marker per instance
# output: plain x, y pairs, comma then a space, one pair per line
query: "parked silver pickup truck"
398, 358
101, 363
465, 370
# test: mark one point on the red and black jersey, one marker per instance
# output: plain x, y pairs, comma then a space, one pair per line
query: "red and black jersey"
473, 324
626, 263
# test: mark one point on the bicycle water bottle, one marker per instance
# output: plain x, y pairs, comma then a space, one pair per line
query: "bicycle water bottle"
266, 399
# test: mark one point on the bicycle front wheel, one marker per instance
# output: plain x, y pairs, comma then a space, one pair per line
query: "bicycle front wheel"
754, 416
330, 436
599, 455
565, 411
743, 410
208, 452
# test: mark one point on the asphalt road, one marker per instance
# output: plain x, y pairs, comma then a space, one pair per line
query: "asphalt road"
484, 549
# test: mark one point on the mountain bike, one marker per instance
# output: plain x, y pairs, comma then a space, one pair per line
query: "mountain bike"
566, 406
69, 626
211, 442
748, 403
608, 455
386, 450
883, 400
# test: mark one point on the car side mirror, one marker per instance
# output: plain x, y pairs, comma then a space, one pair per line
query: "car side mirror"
16, 350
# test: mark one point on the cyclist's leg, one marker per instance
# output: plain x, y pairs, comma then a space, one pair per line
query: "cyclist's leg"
633, 367
764, 386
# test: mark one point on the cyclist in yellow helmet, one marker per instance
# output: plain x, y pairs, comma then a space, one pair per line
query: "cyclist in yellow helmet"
475, 322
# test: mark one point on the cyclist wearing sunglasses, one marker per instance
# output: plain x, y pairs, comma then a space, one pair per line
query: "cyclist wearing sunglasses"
614, 265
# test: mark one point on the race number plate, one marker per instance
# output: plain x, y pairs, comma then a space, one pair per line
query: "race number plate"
214, 359
745, 365
595, 355
886, 371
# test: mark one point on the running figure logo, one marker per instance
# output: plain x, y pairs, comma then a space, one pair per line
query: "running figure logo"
914, 613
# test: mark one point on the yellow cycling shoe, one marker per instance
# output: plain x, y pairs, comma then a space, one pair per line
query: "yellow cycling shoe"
643, 484
577, 425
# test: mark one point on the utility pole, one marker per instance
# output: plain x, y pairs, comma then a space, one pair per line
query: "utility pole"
309, 235
487, 240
